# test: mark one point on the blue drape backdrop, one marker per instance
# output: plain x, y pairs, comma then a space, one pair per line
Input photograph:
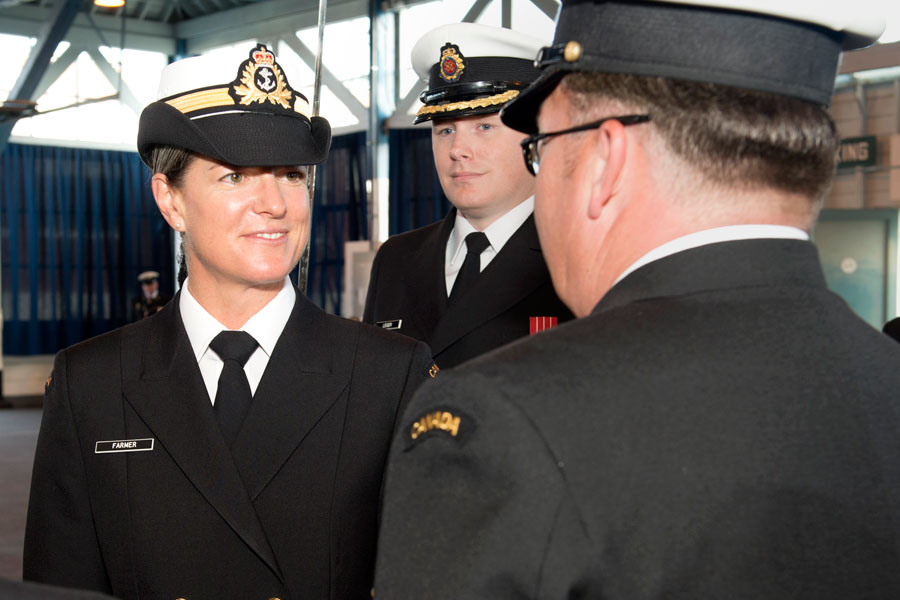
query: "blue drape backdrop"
339, 215
79, 225
416, 198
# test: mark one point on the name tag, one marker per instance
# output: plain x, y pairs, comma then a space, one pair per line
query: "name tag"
141, 445
392, 324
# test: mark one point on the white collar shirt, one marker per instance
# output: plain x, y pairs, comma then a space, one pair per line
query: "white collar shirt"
498, 233
265, 326
714, 236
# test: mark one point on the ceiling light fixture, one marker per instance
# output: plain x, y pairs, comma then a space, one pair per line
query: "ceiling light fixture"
109, 3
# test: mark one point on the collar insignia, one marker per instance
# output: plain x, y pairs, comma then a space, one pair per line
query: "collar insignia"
261, 80
452, 63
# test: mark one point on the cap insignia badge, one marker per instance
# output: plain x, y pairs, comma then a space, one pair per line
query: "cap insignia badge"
262, 80
452, 63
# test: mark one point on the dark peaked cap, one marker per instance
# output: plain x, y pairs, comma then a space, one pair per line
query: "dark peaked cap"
242, 112
783, 47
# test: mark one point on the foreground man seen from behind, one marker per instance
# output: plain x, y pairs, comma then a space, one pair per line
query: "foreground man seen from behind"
717, 424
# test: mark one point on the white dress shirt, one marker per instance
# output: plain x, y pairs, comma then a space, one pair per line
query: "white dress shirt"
498, 233
713, 236
265, 327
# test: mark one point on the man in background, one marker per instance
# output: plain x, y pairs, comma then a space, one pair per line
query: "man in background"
151, 300
717, 424
477, 279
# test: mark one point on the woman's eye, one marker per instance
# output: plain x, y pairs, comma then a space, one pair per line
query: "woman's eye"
234, 177
295, 176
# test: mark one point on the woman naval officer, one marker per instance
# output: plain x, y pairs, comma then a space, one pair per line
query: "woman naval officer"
165, 468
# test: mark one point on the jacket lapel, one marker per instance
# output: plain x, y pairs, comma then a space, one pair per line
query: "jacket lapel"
426, 300
298, 387
514, 273
171, 399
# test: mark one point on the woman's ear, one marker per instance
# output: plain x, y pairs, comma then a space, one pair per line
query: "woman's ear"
168, 200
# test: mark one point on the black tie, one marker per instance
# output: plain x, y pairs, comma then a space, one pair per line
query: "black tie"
476, 243
233, 396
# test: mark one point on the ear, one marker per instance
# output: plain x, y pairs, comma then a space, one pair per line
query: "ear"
610, 146
168, 200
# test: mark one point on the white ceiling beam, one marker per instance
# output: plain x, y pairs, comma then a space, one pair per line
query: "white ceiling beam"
265, 19
56, 69
140, 34
328, 78
126, 96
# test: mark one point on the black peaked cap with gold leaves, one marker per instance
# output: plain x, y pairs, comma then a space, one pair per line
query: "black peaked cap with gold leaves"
243, 113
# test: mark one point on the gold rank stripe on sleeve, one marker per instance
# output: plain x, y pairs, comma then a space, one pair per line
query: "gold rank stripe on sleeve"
477, 103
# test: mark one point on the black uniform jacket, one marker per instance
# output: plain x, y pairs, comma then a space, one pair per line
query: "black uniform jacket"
408, 284
289, 512
721, 426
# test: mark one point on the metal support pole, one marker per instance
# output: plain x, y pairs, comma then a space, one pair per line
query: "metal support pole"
382, 101
303, 275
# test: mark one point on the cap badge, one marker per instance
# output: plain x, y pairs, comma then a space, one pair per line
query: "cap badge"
260, 79
452, 63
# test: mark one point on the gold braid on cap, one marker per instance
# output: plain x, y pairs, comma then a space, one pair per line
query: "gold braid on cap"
477, 103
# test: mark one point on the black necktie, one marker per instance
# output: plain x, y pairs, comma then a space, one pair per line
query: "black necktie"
476, 243
233, 396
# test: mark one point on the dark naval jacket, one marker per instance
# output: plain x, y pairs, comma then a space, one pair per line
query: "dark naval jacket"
135, 492
721, 426
408, 290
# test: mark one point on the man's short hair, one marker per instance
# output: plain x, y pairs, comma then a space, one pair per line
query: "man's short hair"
738, 137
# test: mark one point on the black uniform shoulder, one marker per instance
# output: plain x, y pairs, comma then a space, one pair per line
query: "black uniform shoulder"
411, 241
371, 337
106, 345
379, 354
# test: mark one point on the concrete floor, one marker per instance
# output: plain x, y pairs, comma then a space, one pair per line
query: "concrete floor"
18, 438
23, 389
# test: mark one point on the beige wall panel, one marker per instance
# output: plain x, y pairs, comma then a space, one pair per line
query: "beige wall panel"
878, 190
882, 125
844, 193
895, 185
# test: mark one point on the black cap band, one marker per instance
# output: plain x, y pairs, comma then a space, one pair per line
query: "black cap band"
694, 43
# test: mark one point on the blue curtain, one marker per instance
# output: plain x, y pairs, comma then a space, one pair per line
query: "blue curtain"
78, 226
339, 215
416, 197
